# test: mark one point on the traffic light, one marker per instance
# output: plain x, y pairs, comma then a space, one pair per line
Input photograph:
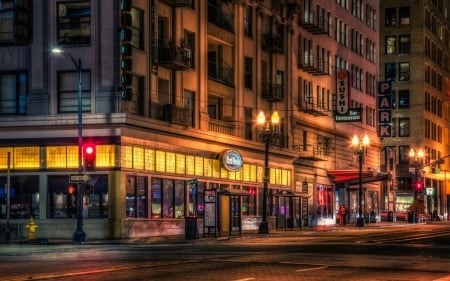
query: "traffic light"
418, 185
89, 157
71, 190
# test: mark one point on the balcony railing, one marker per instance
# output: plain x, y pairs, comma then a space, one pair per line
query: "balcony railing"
222, 127
175, 57
272, 42
310, 105
222, 74
313, 152
221, 18
177, 3
272, 92
314, 65
175, 114
313, 23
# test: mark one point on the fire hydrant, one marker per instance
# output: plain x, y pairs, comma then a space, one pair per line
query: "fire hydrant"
31, 226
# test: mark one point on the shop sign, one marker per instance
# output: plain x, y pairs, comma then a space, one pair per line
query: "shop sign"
232, 160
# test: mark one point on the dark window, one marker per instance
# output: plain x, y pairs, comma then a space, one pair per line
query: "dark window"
248, 76
63, 204
404, 128
136, 197
137, 28
68, 91
15, 22
248, 17
404, 44
404, 71
403, 154
249, 123
189, 43
24, 197
13, 93
390, 44
403, 99
74, 22
403, 14
391, 16
389, 72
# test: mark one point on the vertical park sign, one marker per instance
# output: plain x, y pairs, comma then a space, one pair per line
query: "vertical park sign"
384, 109
342, 110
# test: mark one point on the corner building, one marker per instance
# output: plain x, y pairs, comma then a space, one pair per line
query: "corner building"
170, 94
414, 60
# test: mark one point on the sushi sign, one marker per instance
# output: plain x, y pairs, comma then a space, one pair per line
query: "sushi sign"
342, 110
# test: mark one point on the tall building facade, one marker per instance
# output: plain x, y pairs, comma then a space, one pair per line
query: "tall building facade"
414, 61
168, 93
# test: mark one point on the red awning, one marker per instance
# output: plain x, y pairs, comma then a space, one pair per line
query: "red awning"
340, 176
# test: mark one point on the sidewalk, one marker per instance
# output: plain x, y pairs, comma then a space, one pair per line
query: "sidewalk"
180, 239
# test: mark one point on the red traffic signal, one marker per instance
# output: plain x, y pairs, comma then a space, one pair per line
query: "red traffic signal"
418, 185
89, 156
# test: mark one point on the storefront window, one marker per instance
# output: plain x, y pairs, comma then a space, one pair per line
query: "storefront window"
168, 198
24, 197
324, 201
249, 201
136, 198
62, 197
156, 198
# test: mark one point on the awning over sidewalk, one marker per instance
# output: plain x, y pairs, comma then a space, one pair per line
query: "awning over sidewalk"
352, 176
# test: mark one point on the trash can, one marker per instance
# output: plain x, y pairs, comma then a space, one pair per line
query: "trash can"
190, 228
390, 216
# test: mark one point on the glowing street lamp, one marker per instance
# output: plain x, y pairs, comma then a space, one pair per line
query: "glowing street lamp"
268, 131
360, 148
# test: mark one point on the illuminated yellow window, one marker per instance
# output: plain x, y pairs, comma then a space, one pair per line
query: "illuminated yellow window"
160, 161
231, 175
216, 168
259, 174
150, 159
170, 162
180, 163
246, 172
138, 158
190, 165
199, 166
26, 157
208, 168
127, 157
224, 173
4, 158
253, 173
57, 157
285, 177
105, 156
239, 175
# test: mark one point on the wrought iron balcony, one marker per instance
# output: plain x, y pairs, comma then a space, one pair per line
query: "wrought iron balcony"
313, 152
311, 105
222, 74
314, 65
174, 114
313, 23
272, 42
272, 92
175, 57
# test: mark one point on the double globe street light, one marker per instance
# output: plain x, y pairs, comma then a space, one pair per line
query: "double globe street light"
360, 148
268, 131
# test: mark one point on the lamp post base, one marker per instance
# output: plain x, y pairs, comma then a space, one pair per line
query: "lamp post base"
360, 222
79, 237
263, 228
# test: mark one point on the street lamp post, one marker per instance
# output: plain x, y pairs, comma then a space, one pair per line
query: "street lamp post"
360, 148
416, 158
268, 131
79, 236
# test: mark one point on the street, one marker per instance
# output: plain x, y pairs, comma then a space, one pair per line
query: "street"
412, 252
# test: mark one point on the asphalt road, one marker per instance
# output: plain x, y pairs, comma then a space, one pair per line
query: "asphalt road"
415, 252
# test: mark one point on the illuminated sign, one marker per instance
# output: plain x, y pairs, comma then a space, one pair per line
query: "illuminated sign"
384, 109
232, 160
343, 92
